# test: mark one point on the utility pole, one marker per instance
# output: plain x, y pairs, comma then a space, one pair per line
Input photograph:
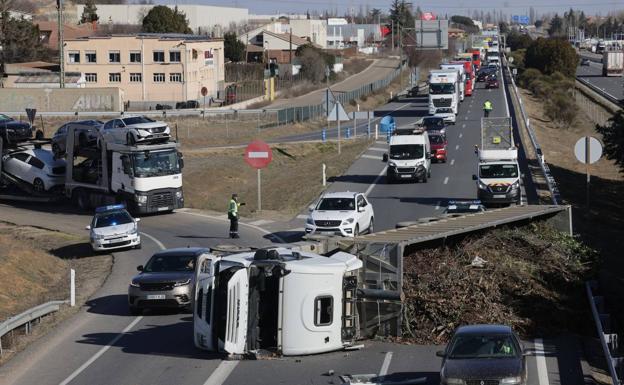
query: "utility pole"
392, 32
59, 6
290, 48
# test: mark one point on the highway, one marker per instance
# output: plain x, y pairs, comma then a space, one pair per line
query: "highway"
612, 85
104, 345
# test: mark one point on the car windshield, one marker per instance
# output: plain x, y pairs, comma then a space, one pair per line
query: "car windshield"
137, 120
340, 204
170, 263
482, 346
4, 118
433, 123
498, 171
446, 88
148, 164
113, 218
406, 151
436, 139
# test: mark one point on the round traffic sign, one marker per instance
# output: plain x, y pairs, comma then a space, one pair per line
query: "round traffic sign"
258, 154
591, 144
428, 16
204, 91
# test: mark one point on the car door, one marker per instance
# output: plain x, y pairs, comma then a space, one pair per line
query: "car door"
17, 165
119, 129
108, 132
36, 169
363, 217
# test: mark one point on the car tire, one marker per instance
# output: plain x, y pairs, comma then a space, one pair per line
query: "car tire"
424, 179
130, 141
135, 311
389, 179
356, 230
38, 185
38, 134
371, 226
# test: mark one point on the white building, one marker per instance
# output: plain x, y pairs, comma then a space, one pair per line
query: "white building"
313, 30
201, 17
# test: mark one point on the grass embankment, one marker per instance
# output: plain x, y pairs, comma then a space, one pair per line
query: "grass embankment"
532, 280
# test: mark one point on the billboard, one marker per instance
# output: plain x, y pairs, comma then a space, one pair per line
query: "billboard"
520, 19
431, 34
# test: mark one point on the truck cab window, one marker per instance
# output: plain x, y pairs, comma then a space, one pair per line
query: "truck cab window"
323, 310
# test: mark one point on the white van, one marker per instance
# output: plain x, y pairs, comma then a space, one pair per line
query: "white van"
409, 157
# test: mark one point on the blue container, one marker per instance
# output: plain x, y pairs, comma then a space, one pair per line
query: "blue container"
348, 133
387, 124
324, 135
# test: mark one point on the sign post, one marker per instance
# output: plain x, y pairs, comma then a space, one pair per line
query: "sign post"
204, 92
258, 155
587, 150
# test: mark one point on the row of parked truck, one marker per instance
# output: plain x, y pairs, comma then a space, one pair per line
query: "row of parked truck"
130, 160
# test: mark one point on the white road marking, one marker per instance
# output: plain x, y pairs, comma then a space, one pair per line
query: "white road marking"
452, 162
224, 218
370, 188
468, 110
101, 351
464, 125
221, 373
260, 222
156, 241
298, 229
438, 205
457, 146
460, 135
542, 370
466, 118
446, 179
378, 149
302, 216
386, 364
371, 157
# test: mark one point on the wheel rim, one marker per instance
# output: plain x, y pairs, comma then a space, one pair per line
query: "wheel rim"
38, 185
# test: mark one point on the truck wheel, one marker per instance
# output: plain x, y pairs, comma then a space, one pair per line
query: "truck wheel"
130, 140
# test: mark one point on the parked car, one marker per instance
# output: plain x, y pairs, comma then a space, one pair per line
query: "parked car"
13, 131
37, 167
341, 213
438, 146
584, 61
112, 227
166, 281
135, 129
483, 354
85, 131
492, 82
187, 104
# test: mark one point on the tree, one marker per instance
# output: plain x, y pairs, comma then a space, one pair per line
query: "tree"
465, 23
613, 138
375, 15
400, 15
20, 39
516, 41
162, 19
234, 48
556, 26
503, 27
538, 23
89, 13
552, 55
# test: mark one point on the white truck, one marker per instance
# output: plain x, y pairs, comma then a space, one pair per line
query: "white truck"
462, 76
493, 56
409, 157
275, 300
444, 91
613, 63
498, 172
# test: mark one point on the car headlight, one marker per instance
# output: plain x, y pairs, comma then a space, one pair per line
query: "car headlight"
348, 221
179, 194
140, 198
310, 221
515, 185
511, 380
97, 236
482, 186
391, 164
135, 229
454, 381
134, 283
177, 284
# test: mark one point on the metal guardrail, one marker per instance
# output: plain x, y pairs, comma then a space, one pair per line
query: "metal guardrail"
601, 92
550, 180
26, 317
608, 341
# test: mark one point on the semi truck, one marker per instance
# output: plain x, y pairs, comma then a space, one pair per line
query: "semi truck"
613, 63
459, 67
443, 91
146, 178
498, 171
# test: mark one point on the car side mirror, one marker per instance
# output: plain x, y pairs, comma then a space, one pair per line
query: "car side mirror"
310, 208
360, 209
140, 268
138, 219
428, 155
87, 227
384, 158
440, 353
474, 177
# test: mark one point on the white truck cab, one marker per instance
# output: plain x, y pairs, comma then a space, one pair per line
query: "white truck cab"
461, 70
498, 178
443, 91
278, 300
409, 157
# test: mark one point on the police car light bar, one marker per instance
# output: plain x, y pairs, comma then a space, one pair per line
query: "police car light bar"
103, 209
466, 202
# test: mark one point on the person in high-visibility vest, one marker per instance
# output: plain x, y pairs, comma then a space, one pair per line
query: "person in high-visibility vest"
487, 108
233, 215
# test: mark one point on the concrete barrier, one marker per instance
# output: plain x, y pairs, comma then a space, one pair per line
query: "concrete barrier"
16, 100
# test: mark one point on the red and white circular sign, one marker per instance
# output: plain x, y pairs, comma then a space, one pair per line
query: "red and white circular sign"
428, 16
258, 154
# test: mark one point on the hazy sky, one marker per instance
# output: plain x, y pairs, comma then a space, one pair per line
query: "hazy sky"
437, 6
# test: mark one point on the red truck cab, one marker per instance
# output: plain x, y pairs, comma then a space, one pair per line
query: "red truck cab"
438, 142
476, 58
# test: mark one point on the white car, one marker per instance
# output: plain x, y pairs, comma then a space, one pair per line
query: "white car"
131, 130
112, 227
36, 167
446, 114
341, 213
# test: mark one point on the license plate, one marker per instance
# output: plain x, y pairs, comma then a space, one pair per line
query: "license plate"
499, 196
406, 176
156, 296
162, 208
327, 233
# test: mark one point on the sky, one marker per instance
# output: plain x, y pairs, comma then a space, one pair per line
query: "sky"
465, 7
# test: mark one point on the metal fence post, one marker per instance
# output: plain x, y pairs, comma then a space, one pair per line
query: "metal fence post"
72, 287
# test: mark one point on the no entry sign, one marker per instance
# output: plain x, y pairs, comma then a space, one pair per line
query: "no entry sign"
258, 154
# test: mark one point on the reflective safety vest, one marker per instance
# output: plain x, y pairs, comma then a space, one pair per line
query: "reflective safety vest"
487, 105
233, 207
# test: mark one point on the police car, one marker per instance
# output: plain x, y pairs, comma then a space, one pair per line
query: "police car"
112, 227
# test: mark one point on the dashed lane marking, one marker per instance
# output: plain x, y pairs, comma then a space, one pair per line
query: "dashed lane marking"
221, 373
386, 364
446, 179
463, 125
457, 147
542, 370
460, 135
452, 162
370, 188
371, 157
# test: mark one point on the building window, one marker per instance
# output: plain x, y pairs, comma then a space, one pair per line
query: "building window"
114, 77
323, 310
91, 57
136, 77
74, 56
159, 56
174, 56
175, 77
159, 78
91, 77
114, 57
135, 57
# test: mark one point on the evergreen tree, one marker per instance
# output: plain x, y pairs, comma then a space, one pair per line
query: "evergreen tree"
613, 138
234, 48
89, 13
556, 26
162, 19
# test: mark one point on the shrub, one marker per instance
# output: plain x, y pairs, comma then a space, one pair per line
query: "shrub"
353, 102
561, 108
528, 76
551, 55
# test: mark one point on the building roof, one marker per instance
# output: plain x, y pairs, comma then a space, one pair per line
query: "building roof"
46, 77
50, 30
296, 40
159, 36
254, 48
33, 66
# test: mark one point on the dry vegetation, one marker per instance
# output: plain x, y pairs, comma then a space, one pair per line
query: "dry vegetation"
532, 279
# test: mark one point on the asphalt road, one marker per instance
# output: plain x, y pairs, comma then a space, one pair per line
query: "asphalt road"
104, 345
613, 85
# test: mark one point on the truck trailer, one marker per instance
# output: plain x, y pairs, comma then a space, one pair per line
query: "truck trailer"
613, 63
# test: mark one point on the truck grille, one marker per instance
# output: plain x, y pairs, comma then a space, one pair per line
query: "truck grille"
157, 286
443, 102
481, 382
163, 199
327, 223
499, 188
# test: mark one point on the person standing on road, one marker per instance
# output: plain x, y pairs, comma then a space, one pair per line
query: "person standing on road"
487, 108
233, 215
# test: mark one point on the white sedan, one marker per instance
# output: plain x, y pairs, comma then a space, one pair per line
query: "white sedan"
36, 167
112, 227
341, 213
131, 130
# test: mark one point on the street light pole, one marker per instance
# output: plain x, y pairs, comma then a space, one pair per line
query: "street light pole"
59, 5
